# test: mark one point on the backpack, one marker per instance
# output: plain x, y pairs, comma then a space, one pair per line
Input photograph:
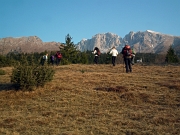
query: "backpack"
44, 57
59, 55
127, 51
98, 52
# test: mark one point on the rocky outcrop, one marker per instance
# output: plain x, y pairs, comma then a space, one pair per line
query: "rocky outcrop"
103, 41
26, 45
149, 41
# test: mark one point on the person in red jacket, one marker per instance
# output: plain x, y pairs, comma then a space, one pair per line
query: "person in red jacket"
58, 56
127, 55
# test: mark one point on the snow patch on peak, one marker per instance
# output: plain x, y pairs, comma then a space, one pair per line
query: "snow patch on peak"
84, 39
150, 31
153, 32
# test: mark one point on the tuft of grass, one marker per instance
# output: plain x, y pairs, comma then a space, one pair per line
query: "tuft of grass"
82, 71
2, 72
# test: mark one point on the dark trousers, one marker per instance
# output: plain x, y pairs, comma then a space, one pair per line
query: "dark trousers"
96, 59
58, 61
113, 60
127, 62
52, 62
43, 62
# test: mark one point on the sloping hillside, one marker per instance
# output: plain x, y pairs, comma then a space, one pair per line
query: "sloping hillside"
94, 100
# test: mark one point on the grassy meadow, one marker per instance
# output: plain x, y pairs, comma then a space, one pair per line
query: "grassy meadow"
95, 100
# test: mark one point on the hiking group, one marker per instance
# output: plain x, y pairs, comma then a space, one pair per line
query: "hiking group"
54, 59
127, 52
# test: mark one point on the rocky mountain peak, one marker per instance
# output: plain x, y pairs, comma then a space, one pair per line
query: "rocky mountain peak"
102, 41
26, 45
148, 41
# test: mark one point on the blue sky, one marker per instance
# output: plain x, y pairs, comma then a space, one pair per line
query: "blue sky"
52, 20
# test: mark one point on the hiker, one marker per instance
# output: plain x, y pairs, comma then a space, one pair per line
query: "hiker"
96, 53
58, 56
127, 55
52, 59
114, 53
133, 56
44, 59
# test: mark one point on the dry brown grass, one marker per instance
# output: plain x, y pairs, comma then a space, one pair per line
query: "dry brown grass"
95, 100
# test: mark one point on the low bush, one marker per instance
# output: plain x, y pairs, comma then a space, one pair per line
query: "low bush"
2, 72
27, 78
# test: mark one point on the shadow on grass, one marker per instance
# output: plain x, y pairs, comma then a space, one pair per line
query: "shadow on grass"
6, 87
119, 89
171, 85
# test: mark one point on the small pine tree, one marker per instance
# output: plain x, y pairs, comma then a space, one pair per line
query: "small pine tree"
171, 57
27, 78
84, 59
70, 52
28, 75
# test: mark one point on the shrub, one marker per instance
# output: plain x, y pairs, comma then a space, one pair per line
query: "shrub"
43, 75
2, 72
171, 57
29, 77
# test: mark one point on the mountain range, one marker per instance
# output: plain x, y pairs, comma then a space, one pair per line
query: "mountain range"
143, 42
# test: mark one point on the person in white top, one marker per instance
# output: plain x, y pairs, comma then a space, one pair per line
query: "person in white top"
114, 53
45, 59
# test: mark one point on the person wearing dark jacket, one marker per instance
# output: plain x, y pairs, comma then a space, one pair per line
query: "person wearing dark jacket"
96, 54
127, 55
52, 59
